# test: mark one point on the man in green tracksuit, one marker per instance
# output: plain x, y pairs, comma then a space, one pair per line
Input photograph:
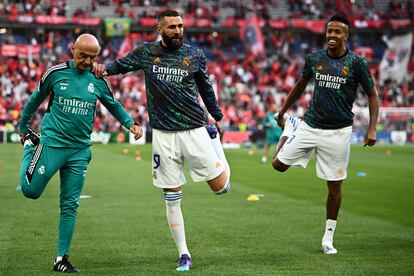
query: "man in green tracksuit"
65, 141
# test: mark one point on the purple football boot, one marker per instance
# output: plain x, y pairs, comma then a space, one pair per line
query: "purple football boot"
184, 263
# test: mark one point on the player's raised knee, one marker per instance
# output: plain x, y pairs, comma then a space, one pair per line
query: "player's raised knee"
223, 190
279, 166
220, 185
29, 193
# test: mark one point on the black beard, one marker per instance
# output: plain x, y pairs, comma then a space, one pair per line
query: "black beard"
170, 43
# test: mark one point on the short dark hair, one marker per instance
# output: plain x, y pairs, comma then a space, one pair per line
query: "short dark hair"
165, 13
341, 18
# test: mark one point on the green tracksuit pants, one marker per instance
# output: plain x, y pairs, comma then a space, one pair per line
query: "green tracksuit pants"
39, 165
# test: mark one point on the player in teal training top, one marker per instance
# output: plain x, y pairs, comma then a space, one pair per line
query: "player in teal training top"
327, 124
65, 137
175, 75
273, 131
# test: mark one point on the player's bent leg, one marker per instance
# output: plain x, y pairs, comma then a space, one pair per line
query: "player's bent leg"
220, 185
333, 204
279, 166
276, 163
28, 153
291, 124
218, 148
33, 176
175, 220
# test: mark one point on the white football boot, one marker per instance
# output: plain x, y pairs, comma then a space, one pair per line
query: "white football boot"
328, 248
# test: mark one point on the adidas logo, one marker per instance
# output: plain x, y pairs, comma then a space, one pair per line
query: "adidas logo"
218, 165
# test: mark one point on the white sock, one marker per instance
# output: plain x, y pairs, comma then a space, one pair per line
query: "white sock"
329, 231
58, 259
218, 147
176, 221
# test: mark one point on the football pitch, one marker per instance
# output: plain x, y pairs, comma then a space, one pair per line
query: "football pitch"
122, 229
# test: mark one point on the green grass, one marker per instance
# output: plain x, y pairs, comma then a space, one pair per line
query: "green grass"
122, 229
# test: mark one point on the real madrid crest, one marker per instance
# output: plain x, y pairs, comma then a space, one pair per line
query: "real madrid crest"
345, 71
186, 61
91, 88
41, 170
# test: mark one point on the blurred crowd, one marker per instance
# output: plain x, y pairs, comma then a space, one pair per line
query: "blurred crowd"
368, 9
245, 84
211, 9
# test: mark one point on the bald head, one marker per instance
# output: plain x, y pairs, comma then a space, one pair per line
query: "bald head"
84, 50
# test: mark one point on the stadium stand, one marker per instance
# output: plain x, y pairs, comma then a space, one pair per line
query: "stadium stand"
36, 35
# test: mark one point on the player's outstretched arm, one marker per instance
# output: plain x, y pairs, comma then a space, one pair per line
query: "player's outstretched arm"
131, 62
294, 95
371, 136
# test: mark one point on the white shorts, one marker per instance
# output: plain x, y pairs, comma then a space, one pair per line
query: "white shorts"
331, 146
170, 149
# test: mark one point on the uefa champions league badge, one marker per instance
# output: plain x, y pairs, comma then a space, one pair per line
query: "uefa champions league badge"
91, 88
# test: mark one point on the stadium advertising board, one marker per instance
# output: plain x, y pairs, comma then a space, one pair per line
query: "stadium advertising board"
20, 50
230, 137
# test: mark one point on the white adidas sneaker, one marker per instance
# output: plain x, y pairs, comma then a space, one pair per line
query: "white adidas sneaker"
328, 248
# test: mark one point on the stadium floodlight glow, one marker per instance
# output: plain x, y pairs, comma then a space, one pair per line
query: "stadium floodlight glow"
3, 30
